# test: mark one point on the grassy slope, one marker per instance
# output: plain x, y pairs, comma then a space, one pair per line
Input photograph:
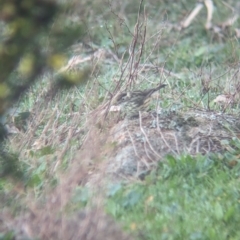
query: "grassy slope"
189, 198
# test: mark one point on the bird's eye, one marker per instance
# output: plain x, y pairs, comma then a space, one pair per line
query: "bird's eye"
122, 97
125, 96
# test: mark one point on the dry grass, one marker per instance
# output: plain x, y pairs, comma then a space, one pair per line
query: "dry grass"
72, 133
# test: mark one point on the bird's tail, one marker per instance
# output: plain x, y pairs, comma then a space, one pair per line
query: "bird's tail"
151, 91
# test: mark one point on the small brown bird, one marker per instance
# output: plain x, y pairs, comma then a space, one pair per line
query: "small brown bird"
132, 102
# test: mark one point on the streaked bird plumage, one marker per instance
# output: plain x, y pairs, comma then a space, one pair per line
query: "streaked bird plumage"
133, 102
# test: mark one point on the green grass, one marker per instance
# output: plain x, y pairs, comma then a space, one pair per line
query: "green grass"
188, 198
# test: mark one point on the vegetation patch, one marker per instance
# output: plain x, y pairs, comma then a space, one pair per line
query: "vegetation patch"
73, 166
